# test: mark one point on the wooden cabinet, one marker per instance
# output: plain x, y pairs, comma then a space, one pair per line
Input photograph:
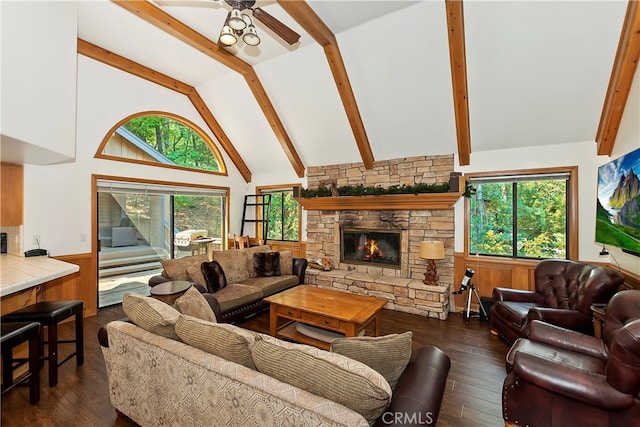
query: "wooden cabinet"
11, 194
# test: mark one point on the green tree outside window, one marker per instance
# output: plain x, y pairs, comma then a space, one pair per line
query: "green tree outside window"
283, 219
521, 219
175, 140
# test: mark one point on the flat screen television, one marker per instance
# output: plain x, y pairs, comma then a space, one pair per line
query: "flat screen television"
618, 204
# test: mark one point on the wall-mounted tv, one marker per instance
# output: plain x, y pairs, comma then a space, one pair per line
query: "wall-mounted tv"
618, 207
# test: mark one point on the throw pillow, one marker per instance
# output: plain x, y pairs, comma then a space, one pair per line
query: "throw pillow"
266, 264
221, 339
234, 264
194, 304
389, 354
176, 269
330, 375
151, 314
196, 276
214, 276
286, 262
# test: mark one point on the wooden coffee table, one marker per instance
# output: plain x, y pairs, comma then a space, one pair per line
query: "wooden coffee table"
329, 309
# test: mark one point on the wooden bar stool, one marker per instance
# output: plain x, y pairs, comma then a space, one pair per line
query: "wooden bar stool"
14, 334
48, 314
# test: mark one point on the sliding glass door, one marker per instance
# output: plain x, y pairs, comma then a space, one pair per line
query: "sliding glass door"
139, 225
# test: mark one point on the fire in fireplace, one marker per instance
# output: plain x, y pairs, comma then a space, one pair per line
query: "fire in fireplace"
364, 246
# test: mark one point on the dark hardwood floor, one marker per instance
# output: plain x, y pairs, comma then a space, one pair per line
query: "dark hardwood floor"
472, 397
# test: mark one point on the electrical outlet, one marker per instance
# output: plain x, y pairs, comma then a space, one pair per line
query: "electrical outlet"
36, 240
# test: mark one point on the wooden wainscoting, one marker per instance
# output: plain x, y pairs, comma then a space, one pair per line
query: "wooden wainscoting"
491, 272
82, 285
299, 249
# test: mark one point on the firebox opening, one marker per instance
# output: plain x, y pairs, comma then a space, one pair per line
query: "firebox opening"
366, 246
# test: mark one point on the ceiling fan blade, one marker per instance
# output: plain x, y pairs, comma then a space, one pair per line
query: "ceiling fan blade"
284, 32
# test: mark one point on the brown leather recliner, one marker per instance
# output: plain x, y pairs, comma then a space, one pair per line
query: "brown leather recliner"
564, 292
559, 377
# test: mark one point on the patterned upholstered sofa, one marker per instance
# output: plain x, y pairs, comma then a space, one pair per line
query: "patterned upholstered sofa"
176, 369
243, 290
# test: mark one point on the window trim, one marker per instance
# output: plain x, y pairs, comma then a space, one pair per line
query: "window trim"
212, 146
274, 189
572, 206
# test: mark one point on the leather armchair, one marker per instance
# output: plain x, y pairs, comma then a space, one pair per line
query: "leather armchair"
564, 292
559, 377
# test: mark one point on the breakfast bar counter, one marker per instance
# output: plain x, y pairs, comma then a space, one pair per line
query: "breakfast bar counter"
19, 273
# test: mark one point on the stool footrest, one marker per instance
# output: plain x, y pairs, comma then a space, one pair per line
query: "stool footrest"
18, 382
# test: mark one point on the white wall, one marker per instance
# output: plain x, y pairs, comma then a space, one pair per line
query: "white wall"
582, 154
57, 202
38, 81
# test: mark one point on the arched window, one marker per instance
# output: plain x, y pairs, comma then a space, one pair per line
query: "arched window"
162, 139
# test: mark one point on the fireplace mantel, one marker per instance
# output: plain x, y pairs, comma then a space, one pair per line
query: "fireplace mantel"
422, 201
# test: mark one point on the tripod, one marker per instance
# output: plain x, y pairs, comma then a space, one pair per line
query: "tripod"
467, 313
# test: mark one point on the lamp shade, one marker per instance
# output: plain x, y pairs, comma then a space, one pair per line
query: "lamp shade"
431, 249
227, 37
250, 36
236, 20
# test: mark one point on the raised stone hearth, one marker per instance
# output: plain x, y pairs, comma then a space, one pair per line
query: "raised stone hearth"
401, 285
407, 295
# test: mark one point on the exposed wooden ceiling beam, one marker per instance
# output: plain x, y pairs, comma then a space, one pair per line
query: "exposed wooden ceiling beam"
458, 59
624, 68
109, 58
92, 51
159, 18
162, 20
311, 22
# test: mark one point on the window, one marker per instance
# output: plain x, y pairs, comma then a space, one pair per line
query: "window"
162, 139
522, 215
283, 217
142, 223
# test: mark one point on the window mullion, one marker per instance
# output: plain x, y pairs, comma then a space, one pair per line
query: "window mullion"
514, 219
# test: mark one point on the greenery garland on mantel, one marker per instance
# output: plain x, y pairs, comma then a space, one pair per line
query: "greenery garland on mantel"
361, 190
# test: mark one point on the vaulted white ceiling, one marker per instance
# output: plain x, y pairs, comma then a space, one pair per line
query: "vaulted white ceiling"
537, 74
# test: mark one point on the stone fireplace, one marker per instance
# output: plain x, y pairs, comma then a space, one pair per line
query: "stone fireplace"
411, 222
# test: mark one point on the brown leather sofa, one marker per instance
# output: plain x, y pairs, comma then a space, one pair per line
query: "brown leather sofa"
559, 377
564, 292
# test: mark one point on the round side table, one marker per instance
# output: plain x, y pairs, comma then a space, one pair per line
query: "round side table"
169, 292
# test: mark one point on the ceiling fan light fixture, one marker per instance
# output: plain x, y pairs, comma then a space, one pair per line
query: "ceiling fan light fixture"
250, 36
227, 37
236, 20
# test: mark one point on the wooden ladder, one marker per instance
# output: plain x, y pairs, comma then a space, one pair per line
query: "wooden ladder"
262, 200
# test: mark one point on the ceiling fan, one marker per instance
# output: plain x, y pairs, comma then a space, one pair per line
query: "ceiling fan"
239, 24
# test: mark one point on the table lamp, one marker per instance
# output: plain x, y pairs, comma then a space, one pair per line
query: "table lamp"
431, 250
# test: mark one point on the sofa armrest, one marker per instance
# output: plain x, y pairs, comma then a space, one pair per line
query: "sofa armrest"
559, 337
517, 295
215, 306
103, 337
418, 395
570, 319
571, 382
157, 279
300, 268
